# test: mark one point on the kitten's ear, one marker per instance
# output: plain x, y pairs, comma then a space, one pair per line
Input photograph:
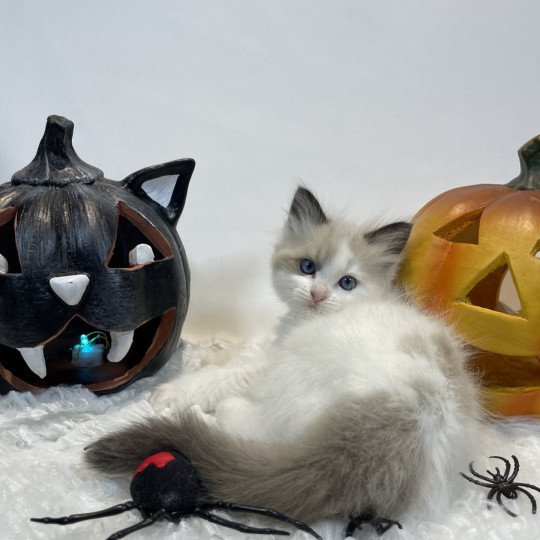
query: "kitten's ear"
392, 237
163, 186
391, 240
305, 210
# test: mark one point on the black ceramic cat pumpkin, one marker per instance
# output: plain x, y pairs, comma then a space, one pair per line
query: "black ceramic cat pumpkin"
94, 281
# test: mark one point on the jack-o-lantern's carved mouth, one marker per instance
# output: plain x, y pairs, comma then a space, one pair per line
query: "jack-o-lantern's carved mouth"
61, 360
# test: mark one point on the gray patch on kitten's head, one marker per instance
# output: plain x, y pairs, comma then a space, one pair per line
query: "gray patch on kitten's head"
338, 248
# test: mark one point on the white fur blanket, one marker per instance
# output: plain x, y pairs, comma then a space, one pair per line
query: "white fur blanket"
41, 473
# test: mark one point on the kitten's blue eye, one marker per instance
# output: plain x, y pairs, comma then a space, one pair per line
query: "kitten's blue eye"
307, 266
348, 283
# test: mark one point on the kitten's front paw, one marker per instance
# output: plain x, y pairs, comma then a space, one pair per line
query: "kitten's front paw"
169, 396
188, 390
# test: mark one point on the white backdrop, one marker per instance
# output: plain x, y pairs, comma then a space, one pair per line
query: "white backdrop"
378, 106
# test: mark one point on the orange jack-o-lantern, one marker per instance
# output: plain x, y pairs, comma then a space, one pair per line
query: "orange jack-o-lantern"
474, 256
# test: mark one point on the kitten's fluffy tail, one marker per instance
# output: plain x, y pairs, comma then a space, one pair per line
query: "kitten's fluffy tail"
367, 454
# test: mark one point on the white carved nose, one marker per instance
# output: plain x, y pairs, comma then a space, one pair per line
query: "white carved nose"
70, 288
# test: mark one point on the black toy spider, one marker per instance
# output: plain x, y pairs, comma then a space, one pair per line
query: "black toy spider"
167, 486
503, 484
381, 525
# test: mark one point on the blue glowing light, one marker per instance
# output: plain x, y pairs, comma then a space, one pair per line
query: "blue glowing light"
87, 352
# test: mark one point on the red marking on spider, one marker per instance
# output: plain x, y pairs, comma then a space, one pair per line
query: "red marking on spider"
159, 460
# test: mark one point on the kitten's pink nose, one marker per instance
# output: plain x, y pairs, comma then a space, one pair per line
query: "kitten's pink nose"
319, 293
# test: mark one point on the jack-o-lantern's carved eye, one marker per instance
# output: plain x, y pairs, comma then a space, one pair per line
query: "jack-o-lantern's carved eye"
9, 257
496, 291
463, 230
137, 241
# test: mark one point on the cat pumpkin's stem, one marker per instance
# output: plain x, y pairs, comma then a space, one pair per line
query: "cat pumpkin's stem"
529, 157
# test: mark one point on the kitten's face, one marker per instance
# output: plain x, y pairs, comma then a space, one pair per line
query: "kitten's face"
321, 265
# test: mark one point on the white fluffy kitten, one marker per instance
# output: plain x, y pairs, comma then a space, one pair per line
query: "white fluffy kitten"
349, 264
363, 403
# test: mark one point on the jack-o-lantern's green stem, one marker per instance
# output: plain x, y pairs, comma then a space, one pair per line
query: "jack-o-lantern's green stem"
529, 157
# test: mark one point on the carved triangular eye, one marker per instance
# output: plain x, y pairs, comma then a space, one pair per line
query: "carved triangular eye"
137, 241
497, 292
9, 257
463, 230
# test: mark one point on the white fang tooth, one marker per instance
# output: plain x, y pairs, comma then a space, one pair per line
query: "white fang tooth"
35, 359
120, 345
141, 254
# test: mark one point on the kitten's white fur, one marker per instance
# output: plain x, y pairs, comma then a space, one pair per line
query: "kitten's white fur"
362, 403
369, 264
352, 343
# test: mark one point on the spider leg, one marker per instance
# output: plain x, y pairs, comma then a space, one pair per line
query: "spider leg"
351, 527
74, 518
237, 526
476, 481
499, 494
491, 493
531, 498
516, 469
474, 473
140, 525
264, 512
507, 467
530, 486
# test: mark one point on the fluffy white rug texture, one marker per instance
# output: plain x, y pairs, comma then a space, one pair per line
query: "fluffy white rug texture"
41, 473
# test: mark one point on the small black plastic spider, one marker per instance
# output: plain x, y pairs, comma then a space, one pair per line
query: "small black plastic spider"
167, 486
503, 484
381, 525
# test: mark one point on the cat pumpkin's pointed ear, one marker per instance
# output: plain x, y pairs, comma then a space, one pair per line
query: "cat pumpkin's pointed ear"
305, 210
392, 237
163, 186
